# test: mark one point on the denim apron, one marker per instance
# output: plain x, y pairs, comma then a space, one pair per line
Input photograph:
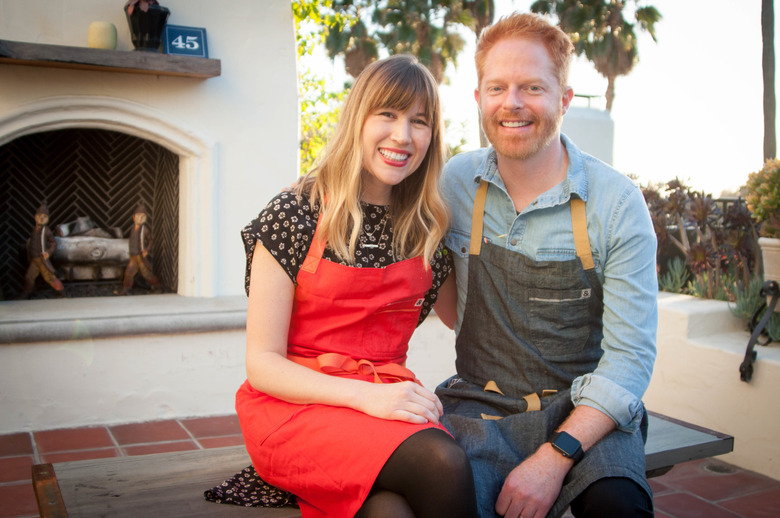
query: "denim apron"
529, 328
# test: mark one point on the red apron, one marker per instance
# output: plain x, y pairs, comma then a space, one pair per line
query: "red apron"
350, 322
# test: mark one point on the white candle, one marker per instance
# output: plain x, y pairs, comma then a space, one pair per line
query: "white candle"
101, 35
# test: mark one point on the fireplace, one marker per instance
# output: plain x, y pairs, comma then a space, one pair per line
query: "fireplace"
86, 153
87, 174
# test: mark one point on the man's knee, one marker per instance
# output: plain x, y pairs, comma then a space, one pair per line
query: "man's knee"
614, 497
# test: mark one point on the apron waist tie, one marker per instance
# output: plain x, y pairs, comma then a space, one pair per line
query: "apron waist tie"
336, 364
533, 401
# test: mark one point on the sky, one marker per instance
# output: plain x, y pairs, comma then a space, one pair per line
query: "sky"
691, 108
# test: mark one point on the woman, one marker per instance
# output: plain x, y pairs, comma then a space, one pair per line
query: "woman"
347, 266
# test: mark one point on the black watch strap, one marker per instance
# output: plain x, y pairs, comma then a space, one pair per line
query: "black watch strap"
567, 446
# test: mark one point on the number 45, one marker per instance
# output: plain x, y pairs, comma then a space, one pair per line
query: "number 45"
190, 43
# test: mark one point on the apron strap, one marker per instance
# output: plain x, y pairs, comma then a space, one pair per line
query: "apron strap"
315, 250
580, 228
476, 218
578, 222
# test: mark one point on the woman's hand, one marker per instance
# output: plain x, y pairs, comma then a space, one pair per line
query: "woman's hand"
404, 401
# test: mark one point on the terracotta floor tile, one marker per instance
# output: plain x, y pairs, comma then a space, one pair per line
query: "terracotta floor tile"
212, 426
723, 487
220, 442
681, 505
684, 470
152, 431
69, 439
16, 444
765, 504
17, 500
69, 456
161, 447
14, 469
658, 486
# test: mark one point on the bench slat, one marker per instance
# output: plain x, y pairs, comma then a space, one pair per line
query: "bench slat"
164, 484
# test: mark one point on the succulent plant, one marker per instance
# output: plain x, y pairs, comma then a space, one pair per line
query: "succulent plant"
763, 197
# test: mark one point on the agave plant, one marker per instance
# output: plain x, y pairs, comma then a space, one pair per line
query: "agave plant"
718, 245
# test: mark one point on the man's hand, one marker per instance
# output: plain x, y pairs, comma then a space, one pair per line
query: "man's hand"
532, 487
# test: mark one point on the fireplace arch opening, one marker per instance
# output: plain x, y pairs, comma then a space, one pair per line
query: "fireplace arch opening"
190, 158
92, 180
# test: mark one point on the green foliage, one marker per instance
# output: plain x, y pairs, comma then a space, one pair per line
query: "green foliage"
320, 111
424, 28
763, 197
319, 108
748, 301
717, 240
676, 276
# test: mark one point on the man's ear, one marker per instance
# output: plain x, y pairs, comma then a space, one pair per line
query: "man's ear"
476, 97
568, 95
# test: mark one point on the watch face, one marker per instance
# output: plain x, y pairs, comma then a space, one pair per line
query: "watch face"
567, 444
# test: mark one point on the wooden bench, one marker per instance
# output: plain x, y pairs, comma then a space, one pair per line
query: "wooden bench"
171, 485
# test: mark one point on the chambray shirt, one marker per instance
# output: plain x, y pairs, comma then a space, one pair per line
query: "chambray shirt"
623, 244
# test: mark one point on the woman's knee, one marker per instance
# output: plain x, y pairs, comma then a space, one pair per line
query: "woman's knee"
442, 453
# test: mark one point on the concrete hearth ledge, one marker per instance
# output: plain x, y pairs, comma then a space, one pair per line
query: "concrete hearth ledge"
54, 320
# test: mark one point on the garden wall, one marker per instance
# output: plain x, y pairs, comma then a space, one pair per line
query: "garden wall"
696, 378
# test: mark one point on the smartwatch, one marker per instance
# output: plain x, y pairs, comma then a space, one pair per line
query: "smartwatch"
567, 446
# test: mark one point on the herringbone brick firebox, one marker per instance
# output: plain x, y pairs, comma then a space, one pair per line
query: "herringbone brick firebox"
95, 173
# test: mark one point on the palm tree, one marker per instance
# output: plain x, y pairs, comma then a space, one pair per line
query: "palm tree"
599, 30
424, 28
482, 12
768, 66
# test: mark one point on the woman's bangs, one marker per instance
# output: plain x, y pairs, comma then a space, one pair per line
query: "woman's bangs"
403, 91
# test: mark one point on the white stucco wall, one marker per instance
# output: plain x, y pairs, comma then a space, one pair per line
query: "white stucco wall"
696, 378
85, 381
592, 130
246, 118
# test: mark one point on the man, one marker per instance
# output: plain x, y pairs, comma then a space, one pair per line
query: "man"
139, 243
556, 297
40, 246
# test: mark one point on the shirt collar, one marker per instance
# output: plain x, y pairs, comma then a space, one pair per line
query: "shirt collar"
576, 181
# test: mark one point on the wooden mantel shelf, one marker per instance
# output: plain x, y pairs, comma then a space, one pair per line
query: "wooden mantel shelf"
84, 58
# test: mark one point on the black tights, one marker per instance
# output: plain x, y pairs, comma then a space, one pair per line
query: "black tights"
428, 475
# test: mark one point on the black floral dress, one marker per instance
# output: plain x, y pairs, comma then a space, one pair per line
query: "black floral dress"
286, 228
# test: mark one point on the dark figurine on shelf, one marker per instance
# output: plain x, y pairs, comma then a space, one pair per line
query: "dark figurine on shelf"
40, 246
139, 245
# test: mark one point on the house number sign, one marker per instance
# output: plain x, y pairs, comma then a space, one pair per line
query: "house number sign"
187, 41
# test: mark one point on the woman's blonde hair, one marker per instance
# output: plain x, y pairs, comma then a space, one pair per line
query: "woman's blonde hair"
420, 217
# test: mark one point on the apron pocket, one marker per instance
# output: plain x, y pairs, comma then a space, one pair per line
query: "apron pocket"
559, 320
397, 319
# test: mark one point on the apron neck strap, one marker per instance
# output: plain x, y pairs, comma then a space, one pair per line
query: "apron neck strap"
316, 249
476, 218
578, 222
579, 226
